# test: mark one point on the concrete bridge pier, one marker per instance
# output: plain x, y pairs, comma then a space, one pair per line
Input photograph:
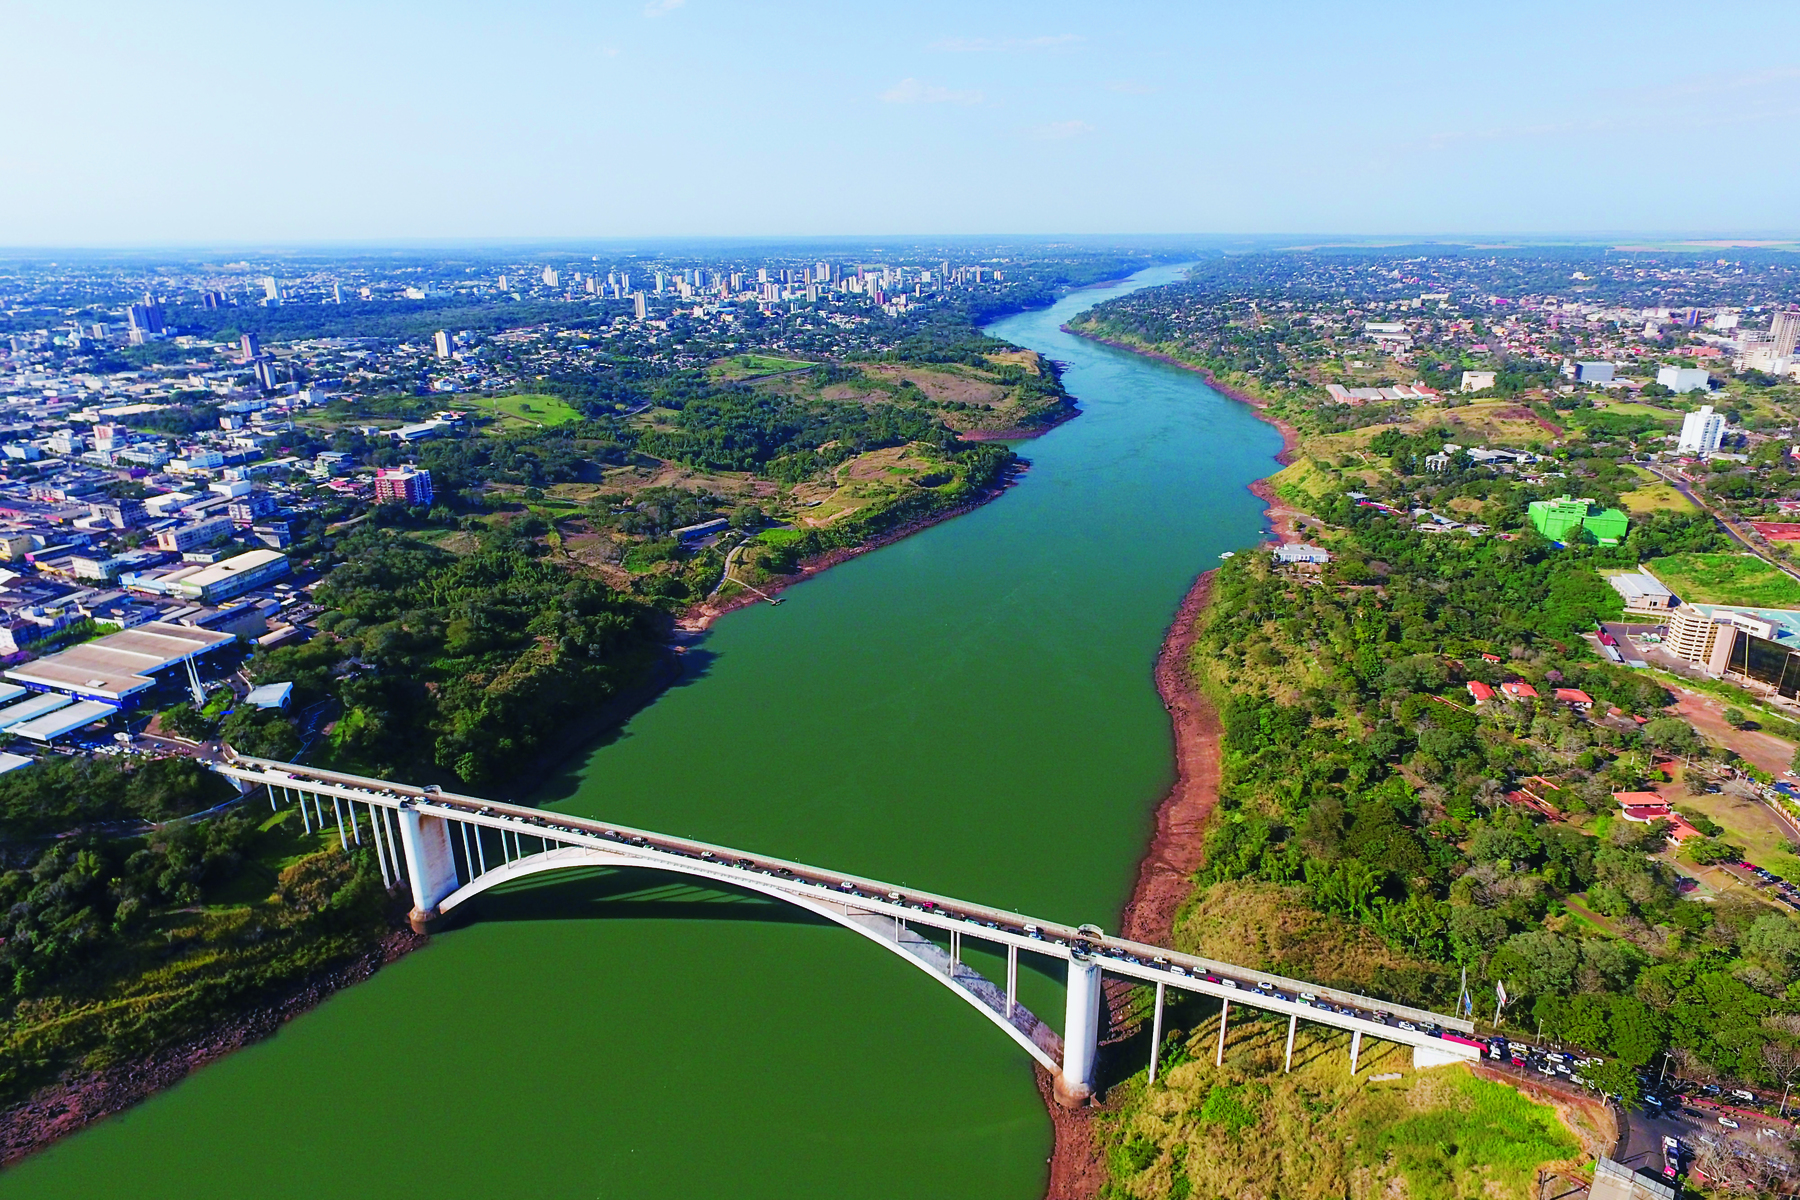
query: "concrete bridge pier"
1081, 1033
430, 865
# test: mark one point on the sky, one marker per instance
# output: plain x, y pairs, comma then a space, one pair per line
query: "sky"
180, 122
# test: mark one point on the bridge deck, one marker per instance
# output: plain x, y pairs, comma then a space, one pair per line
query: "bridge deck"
861, 896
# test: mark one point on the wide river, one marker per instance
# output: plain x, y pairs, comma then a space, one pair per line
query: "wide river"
969, 711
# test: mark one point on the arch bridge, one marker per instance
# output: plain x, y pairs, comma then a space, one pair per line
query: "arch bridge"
448, 849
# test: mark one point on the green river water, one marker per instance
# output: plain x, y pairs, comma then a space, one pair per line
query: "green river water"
970, 711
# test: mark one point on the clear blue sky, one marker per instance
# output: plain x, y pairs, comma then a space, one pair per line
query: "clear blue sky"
134, 123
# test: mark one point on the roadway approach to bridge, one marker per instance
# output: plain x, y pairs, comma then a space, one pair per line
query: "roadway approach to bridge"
449, 848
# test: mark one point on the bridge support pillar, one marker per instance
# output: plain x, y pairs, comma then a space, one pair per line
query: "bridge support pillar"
1081, 1034
1293, 1024
1355, 1048
430, 866
1224, 1018
1156, 1031
1424, 1057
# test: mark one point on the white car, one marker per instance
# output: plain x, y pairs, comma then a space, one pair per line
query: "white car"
1728, 1123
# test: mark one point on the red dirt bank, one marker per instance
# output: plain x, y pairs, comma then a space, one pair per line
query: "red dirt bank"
1165, 874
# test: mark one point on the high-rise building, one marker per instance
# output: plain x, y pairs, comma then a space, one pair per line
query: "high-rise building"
501, 284
550, 277
593, 285
762, 274
212, 299
1701, 431
405, 485
271, 289
642, 306
146, 320
337, 293
1784, 331
443, 343
249, 348
265, 374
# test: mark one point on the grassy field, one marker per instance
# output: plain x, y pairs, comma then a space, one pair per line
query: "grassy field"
1633, 409
524, 412
1248, 1128
1655, 497
1726, 579
1301, 478
748, 366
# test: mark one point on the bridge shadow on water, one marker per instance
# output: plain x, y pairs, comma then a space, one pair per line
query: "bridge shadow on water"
625, 894
629, 894
612, 723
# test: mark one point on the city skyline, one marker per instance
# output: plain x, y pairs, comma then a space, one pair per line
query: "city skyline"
198, 124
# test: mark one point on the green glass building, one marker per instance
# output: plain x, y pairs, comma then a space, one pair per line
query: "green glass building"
1567, 521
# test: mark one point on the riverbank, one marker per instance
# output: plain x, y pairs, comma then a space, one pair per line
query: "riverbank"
1177, 845
698, 619
1164, 875
83, 1099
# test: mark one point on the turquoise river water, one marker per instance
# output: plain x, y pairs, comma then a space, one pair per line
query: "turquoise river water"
970, 710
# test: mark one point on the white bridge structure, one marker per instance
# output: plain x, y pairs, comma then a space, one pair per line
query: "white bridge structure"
450, 848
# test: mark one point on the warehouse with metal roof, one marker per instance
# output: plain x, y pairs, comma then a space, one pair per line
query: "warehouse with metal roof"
119, 665
51, 726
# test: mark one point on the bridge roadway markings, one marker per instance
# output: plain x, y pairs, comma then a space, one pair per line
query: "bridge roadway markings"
880, 911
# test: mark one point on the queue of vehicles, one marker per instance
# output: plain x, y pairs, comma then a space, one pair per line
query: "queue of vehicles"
1552, 1064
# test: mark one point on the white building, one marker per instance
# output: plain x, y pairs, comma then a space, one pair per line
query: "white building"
1643, 592
443, 343
1784, 332
1477, 381
1684, 379
1701, 431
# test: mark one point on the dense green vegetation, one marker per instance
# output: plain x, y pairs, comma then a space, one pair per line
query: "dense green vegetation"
1357, 776
118, 939
463, 663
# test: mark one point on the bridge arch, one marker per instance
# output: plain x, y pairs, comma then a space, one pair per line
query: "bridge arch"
1033, 1036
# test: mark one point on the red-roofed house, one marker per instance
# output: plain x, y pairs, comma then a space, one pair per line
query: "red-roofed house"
1490, 658
1639, 799
1519, 690
1573, 696
1645, 813
1481, 691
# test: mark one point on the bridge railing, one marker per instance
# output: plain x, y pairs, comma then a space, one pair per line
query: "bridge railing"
1087, 950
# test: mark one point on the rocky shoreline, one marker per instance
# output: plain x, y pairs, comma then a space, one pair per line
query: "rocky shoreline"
80, 1100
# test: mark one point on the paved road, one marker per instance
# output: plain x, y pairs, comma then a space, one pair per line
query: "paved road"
1674, 480
1644, 1134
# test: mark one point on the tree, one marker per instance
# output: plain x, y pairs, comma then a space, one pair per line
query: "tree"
1617, 1078
1736, 718
1783, 1061
1672, 733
